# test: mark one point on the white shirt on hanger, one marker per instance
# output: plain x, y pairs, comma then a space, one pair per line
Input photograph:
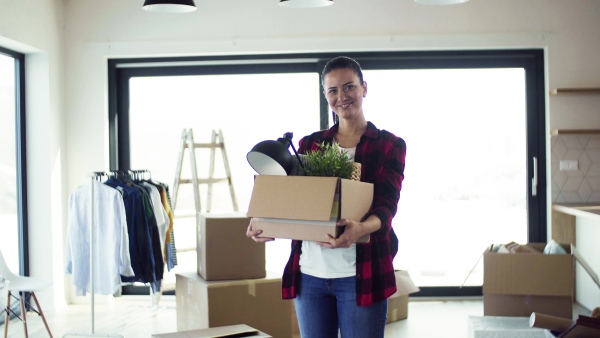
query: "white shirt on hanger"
111, 239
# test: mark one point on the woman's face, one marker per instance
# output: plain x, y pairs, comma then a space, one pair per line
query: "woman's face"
344, 92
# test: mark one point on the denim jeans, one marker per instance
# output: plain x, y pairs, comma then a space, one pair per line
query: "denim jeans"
324, 305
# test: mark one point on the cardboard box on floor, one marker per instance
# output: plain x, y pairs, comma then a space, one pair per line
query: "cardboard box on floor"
398, 302
223, 250
517, 284
305, 207
205, 304
241, 331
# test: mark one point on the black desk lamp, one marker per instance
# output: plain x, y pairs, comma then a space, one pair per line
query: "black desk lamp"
273, 157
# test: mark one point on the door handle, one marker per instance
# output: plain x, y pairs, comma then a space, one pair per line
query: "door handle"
534, 179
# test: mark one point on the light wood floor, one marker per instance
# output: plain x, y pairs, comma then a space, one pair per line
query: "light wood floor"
132, 316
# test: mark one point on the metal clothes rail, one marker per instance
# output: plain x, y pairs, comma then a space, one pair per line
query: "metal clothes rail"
96, 176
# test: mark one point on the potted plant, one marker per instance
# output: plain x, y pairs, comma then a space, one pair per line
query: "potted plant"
330, 160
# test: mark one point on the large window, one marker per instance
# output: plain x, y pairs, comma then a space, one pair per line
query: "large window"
13, 227
465, 179
473, 122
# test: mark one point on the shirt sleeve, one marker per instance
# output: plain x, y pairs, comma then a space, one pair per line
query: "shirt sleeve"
388, 182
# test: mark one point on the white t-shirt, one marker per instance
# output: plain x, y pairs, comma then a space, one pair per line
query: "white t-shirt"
323, 262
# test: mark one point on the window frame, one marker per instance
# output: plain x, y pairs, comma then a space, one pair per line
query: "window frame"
531, 60
21, 160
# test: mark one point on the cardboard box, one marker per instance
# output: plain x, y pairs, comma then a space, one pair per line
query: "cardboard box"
241, 331
398, 302
307, 207
205, 304
224, 252
517, 284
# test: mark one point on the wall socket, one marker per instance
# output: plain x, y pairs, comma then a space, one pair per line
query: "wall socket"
569, 165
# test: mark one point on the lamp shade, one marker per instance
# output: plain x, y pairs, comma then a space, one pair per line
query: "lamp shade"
305, 3
271, 157
169, 6
440, 2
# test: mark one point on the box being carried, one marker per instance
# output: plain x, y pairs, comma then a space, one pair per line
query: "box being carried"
307, 207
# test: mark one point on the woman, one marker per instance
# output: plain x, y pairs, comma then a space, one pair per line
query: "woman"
338, 283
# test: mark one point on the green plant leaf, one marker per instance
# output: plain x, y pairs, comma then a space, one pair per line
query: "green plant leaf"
328, 160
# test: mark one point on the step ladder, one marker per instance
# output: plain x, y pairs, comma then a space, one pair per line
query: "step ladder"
187, 143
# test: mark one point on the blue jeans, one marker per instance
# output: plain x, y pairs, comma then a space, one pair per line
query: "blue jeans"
324, 305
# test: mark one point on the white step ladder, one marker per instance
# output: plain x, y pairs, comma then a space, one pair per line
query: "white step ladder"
187, 142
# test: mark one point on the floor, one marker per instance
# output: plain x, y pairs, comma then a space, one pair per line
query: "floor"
132, 316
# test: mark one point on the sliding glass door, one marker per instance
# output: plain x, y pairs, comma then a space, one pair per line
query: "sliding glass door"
466, 176
246, 108
473, 122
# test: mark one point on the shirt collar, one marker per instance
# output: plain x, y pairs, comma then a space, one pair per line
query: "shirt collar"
370, 132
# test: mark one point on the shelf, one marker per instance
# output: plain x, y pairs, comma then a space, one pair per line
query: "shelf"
574, 131
560, 91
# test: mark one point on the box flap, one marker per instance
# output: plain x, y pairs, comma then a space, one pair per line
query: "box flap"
585, 264
357, 198
293, 197
404, 284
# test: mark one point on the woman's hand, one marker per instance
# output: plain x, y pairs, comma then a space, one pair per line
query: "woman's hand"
352, 232
254, 234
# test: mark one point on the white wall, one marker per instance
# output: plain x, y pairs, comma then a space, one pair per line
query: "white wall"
98, 30
34, 28
587, 292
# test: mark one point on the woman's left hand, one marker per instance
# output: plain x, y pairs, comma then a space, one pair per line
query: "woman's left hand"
353, 231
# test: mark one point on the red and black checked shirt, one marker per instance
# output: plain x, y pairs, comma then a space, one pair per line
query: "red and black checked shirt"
382, 155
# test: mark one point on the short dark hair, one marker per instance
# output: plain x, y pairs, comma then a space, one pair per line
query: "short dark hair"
342, 62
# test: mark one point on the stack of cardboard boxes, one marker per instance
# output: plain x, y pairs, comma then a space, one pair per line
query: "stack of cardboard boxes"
231, 286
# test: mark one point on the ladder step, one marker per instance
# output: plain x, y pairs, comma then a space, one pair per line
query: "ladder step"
187, 142
205, 180
206, 145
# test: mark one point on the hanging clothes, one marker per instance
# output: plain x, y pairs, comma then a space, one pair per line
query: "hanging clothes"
159, 264
162, 218
111, 239
140, 243
170, 251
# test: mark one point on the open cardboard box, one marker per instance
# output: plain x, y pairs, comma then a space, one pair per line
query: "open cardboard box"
398, 302
519, 283
307, 207
231, 331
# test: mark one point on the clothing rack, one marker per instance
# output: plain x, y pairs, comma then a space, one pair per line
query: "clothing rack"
96, 176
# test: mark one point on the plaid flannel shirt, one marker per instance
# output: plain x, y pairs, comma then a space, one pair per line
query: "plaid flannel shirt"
382, 156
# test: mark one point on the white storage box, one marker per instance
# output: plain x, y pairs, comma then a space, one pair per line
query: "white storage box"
503, 327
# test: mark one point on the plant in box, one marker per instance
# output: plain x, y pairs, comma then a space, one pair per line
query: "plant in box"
330, 160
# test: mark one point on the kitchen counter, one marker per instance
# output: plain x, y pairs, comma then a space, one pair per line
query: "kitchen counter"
579, 224
591, 211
